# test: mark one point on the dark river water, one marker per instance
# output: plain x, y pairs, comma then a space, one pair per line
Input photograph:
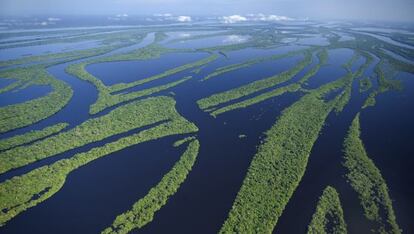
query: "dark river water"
96, 193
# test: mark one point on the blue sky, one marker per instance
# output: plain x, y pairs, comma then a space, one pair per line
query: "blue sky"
400, 10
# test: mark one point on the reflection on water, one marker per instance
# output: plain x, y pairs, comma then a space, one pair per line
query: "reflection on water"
209, 42
19, 52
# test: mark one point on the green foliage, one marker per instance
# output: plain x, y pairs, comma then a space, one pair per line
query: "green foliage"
366, 179
385, 83
249, 63
378, 47
120, 120
199, 63
31, 136
143, 211
329, 216
105, 36
151, 51
322, 55
355, 57
159, 37
109, 41
106, 99
276, 169
259, 98
255, 86
323, 58
182, 141
30, 112
280, 163
365, 84
347, 92
25, 191
50, 59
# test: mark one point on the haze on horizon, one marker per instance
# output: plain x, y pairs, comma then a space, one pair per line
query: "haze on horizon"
378, 10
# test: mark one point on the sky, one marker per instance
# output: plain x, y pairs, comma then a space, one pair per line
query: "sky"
380, 10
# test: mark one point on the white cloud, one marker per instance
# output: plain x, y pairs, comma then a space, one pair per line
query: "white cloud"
171, 17
53, 19
121, 15
233, 19
253, 17
163, 15
184, 35
263, 17
234, 39
274, 18
183, 18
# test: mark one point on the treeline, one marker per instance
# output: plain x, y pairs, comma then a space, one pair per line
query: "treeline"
111, 100
31, 136
199, 63
30, 112
25, 191
291, 88
123, 119
107, 99
347, 92
280, 162
251, 62
329, 216
366, 179
103, 36
365, 84
109, 42
255, 86
385, 83
143, 211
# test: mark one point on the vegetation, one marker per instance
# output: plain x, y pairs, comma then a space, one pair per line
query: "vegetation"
259, 98
165, 74
355, 57
123, 119
378, 47
275, 92
255, 86
106, 97
50, 59
384, 84
249, 63
329, 216
151, 51
30, 112
323, 58
365, 84
114, 99
143, 211
183, 141
366, 179
22, 192
31, 136
347, 92
105, 37
24, 114
109, 42
281, 159
279, 164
